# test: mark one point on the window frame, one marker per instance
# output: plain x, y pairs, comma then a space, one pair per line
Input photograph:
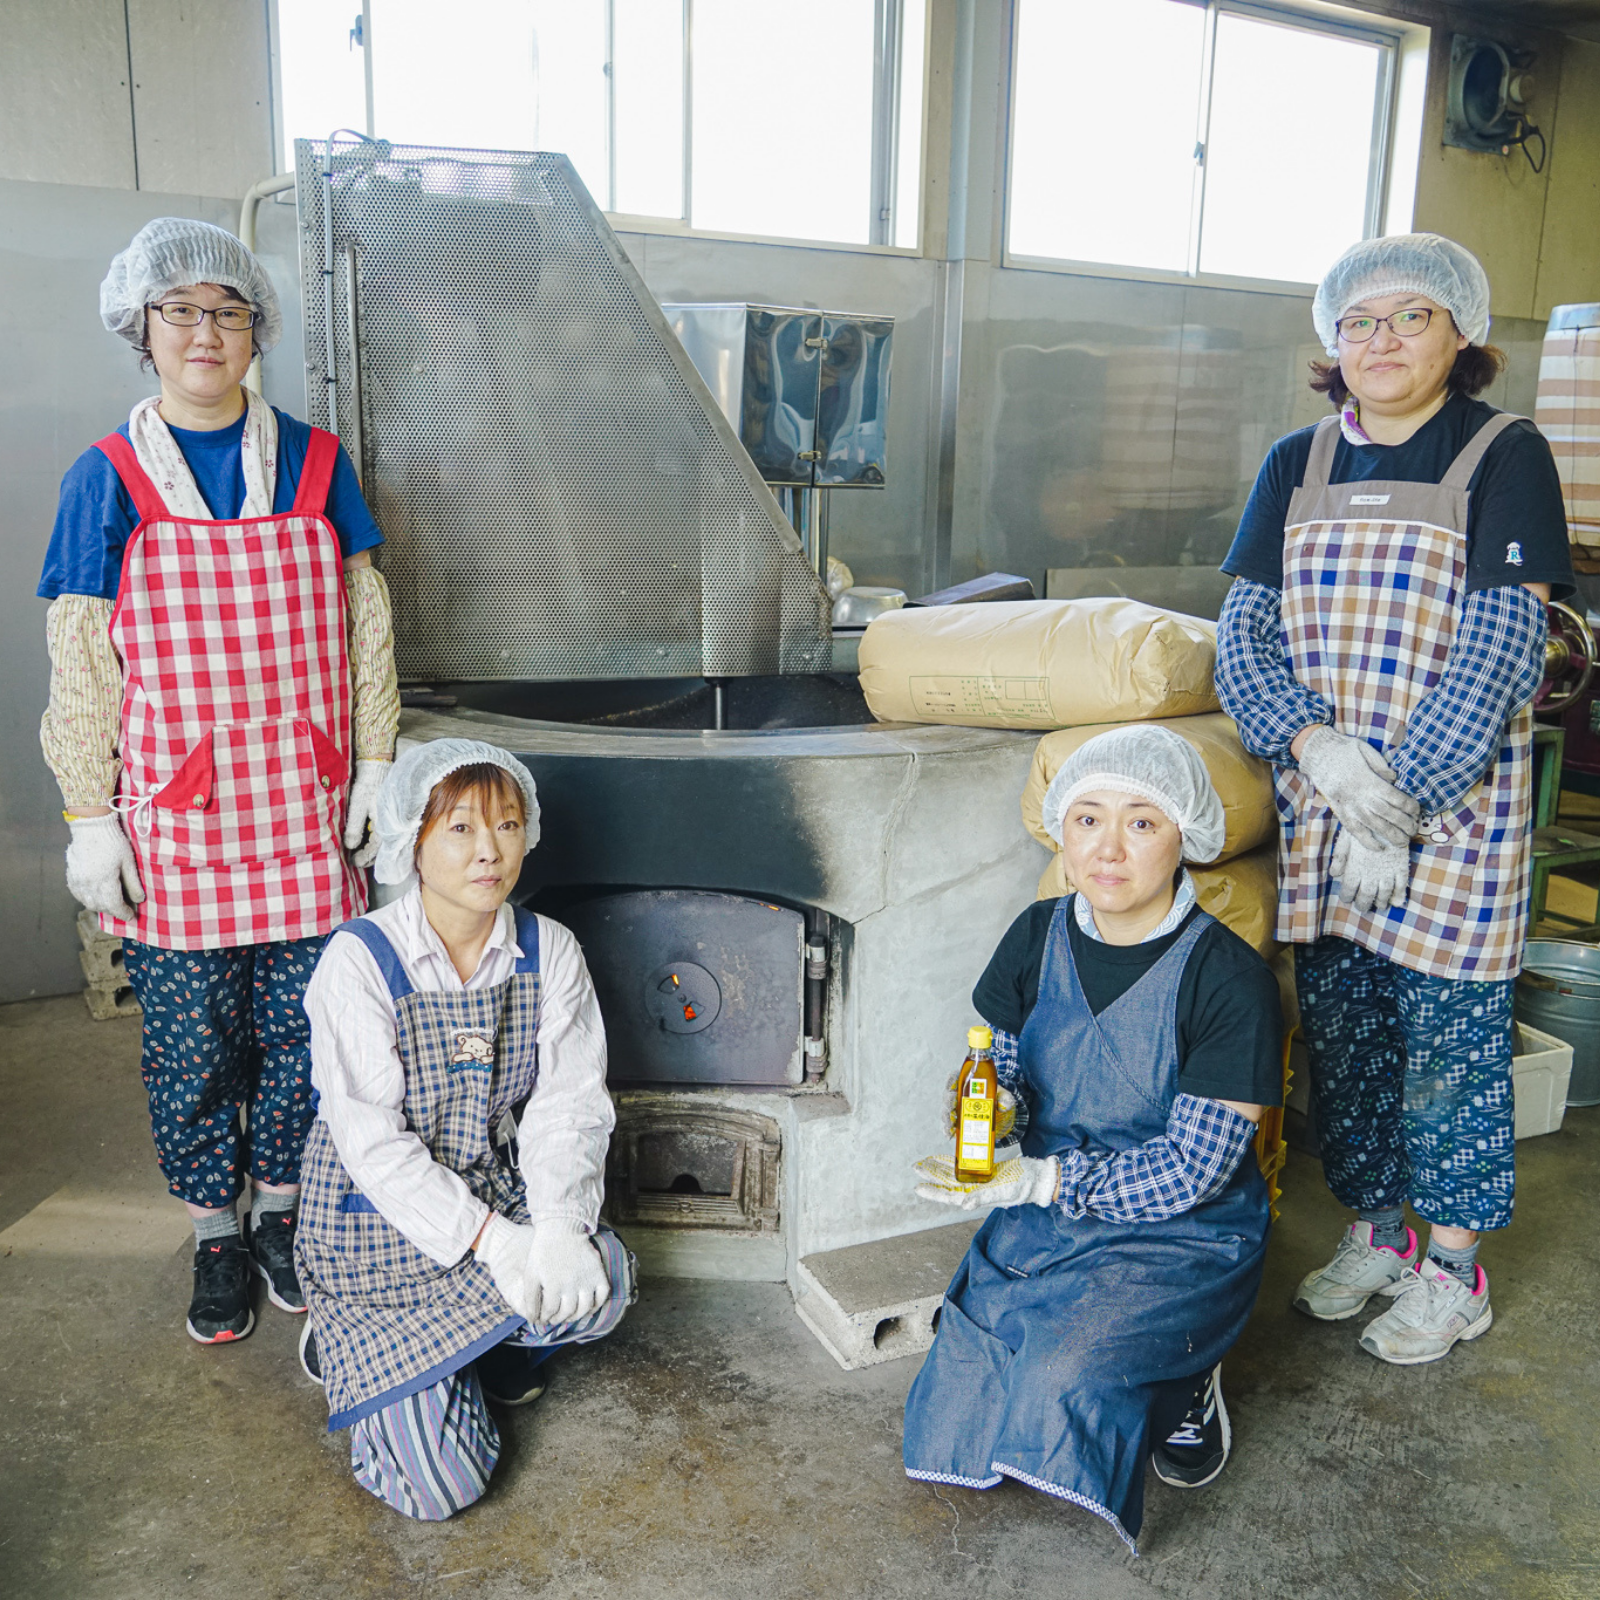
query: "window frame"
1308, 17
888, 91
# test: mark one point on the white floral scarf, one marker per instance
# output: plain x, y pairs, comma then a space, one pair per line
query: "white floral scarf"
159, 455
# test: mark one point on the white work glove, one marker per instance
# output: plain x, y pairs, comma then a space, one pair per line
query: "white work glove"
1037, 1185
1005, 1118
1359, 785
548, 1272
1371, 880
364, 789
101, 871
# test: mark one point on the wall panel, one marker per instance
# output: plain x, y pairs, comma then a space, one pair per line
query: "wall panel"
65, 112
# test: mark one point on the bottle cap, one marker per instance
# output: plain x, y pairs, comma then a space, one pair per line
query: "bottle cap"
980, 1038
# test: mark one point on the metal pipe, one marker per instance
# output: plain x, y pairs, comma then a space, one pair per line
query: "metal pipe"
330, 360
816, 1047
253, 196
350, 266
719, 712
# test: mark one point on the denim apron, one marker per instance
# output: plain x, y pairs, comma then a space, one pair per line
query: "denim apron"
1058, 1337
391, 1321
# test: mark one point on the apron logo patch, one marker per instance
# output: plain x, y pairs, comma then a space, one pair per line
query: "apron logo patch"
472, 1049
1369, 499
1514, 554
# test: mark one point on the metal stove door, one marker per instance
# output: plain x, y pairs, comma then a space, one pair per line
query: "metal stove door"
696, 987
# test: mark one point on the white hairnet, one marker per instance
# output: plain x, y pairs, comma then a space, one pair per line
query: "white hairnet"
1153, 763
173, 253
397, 817
1404, 263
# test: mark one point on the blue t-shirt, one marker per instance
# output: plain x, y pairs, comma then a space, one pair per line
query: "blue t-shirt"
97, 515
1516, 519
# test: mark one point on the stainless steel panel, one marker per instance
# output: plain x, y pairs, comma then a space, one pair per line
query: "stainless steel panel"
886, 537
777, 419
807, 391
560, 496
1123, 425
853, 407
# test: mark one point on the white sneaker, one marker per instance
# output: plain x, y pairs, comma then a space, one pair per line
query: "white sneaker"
1357, 1272
1434, 1309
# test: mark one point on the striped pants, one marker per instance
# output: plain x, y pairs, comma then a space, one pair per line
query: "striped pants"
430, 1454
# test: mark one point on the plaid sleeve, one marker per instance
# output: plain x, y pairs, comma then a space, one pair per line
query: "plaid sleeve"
1193, 1160
1254, 681
1495, 666
1008, 1069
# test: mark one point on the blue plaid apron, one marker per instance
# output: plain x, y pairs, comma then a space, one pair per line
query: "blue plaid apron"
1371, 599
1058, 1338
390, 1321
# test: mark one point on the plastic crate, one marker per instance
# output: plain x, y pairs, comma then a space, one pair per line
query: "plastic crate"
1540, 1070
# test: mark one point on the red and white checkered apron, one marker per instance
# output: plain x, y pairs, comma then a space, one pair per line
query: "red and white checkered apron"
1370, 607
235, 718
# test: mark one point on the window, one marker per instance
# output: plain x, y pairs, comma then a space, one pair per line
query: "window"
791, 117
1238, 139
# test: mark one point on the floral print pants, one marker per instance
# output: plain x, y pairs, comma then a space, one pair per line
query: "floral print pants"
1412, 1077
225, 1033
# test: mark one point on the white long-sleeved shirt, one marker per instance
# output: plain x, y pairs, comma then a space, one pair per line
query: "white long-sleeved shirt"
356, 1070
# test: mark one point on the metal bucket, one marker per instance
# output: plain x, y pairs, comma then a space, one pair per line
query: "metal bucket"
1559, 993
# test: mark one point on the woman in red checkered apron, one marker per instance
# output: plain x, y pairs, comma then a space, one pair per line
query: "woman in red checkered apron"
1381, 646
222, 712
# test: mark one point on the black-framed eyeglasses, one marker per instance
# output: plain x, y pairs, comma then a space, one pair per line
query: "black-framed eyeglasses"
232, 319
1405, 324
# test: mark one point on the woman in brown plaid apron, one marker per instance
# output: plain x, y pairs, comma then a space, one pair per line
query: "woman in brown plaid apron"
1381, 646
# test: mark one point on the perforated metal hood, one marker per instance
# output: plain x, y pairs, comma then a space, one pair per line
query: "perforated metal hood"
560, 495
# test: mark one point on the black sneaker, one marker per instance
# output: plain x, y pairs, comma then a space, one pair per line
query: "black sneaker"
513, 1374
1198, 1450
272, 1255
309, 1364
220, 1310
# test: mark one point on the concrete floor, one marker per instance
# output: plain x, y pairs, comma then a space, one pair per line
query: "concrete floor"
711, 1449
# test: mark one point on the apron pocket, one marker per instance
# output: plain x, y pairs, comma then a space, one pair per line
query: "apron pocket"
251, 792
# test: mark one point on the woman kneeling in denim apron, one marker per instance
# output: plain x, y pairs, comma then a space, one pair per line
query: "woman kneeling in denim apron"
449, 1232
1141, 1041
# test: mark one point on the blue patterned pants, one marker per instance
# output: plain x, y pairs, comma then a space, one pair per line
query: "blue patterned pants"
1412, 1076
225, 1031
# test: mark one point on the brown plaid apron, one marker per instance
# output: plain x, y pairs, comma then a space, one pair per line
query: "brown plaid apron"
1370, 605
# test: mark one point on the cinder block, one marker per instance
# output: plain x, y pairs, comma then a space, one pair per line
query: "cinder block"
103, 965
104, 1004
875, 1302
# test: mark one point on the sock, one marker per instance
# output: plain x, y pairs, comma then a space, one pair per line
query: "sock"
1462, 1263
264, 1201
215, 1225
1388, 1228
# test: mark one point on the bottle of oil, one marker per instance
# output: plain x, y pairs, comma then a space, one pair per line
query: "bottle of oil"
977, 1103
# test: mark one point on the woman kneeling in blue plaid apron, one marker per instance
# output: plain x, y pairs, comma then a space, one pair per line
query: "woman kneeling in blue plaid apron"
449, 1233
1138, 1040
1381, 646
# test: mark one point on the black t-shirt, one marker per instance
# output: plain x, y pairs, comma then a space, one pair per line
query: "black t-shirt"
1516, 518
1229, 1023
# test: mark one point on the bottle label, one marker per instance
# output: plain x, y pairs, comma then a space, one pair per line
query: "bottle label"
977, 1130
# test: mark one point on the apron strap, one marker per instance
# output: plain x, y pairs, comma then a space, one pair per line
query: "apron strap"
146, 497
316, 476
1320, 462
528, 938
1465, 464
372, 936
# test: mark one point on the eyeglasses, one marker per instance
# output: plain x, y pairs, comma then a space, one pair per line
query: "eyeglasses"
1403, 325
232, 319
